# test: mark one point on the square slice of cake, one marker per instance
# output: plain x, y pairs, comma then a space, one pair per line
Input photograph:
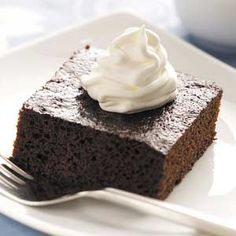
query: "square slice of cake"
63, 135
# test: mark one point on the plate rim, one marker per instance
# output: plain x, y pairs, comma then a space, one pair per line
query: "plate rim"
128, 13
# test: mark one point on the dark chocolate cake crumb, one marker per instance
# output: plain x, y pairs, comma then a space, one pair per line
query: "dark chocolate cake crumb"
87, 47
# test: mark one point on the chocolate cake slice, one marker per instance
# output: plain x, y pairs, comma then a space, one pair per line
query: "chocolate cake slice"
65, 138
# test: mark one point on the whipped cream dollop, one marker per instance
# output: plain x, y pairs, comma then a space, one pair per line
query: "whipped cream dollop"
133, 75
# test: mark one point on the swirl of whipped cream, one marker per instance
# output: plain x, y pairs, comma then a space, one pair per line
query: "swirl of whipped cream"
133, 75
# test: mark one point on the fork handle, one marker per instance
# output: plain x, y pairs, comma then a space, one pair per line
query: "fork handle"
168, 211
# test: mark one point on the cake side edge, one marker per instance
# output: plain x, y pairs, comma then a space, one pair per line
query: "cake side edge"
91, 159
196, 140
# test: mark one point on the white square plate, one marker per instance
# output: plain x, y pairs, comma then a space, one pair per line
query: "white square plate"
210, 187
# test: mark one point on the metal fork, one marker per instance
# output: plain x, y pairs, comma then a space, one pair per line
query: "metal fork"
16, 184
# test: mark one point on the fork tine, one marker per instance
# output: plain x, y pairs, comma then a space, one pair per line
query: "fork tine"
7, 183
10, 175
15, 168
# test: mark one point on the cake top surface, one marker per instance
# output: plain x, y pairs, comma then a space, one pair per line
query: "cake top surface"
64, 98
